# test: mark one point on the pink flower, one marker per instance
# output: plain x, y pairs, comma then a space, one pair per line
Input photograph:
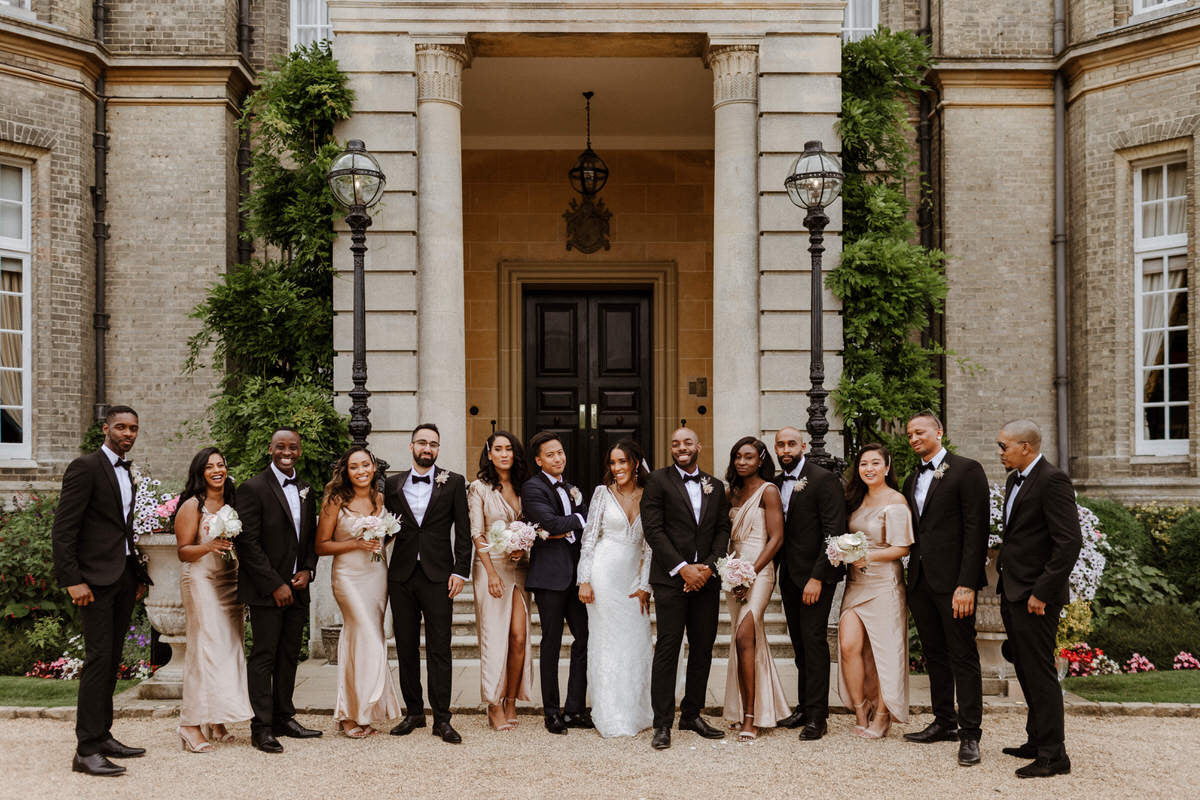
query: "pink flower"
166, 509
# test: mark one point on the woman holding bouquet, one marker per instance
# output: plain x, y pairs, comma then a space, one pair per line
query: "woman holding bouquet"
502, 611
350, 529
753, 693
214, 670
873, 627
614, 582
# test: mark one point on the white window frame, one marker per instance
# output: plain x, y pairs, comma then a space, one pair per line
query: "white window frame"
294, 27
20, 250
855, 29
1160, 249
24, 5
1142, 6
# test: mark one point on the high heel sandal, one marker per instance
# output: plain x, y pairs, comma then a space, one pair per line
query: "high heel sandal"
870, 715
210, 734
747, 736
184, 744
357, 732
867, 733
506, 726
512, 720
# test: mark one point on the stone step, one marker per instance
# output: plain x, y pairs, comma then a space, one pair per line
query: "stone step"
464, 624
467, 647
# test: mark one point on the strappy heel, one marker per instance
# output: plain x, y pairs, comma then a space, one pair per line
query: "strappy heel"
185, 745
747, 736
512, 720
859, 729
868, 733
506, 725
357, 732
209, 732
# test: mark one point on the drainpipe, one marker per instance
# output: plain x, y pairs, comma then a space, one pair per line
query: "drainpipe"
99, 226
245, 247
244, 29
936, 330
1062, 379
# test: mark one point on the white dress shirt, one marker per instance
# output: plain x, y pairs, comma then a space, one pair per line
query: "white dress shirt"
1012, 496
418, 494
789, 483
124, 482
292, 493
925, 479
696, 495
565, 499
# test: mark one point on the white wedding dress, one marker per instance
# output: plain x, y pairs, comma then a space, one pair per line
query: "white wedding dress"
615, 560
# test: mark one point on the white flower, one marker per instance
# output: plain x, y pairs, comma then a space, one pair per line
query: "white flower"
135, 474
442, 477
225, 523
800, 486
941, 470
304, 493
706, 485
576, 497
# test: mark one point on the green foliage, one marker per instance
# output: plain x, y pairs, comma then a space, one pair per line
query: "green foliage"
1128, 583
1158, 521
17, 655
1122, 530
93, 437
40, 692
1075, 624
1183, 555
1158, 631
888, 284
27, 586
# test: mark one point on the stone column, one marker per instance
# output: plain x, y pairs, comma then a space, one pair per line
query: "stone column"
736, 408
441, 360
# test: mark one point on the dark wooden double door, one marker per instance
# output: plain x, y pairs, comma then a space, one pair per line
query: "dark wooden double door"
587, 363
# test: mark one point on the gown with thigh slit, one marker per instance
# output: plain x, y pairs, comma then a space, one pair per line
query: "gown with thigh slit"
366, 690
493, 615
876, 595
747, 538
214, 669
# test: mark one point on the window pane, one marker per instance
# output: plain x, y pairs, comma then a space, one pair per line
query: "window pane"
1179, 385
1154, 389
1151, 184
10, 356
1179, 422
10, 221
1152, 221
10, 312
1177, 347
1176, 216
10, 183
10, 427
1152, 425
1177, 271
1177, 180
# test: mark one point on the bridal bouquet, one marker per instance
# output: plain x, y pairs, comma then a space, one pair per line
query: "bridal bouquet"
225, 525
512, 537
736, 573
374, 528
847, 548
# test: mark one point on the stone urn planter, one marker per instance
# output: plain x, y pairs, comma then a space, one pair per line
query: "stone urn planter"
329, 640
164, 607
989, 633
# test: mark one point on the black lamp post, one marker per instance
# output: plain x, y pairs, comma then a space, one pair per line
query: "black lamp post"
814, 182
357, 183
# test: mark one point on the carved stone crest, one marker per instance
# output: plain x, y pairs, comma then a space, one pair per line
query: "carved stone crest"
587, 224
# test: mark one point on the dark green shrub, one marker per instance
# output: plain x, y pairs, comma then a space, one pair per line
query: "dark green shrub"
1157, 631
1183, 555
1128, 583
1122, 530
16, 653
27, 586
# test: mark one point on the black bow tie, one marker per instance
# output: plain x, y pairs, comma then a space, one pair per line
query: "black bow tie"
120, 462
1018, 479
692, 478
291, 482
927, 466
788, 476
420, 479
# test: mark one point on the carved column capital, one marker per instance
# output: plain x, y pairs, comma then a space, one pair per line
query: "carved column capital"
735, 73
439, 72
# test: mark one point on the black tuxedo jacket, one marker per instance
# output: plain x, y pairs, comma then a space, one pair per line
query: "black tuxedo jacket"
429, 543
90, 527
268, 545
952, 532
815, 513
1042, 538
672, 530
552, 562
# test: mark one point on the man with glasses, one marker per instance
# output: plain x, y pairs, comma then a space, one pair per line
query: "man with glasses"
427, 568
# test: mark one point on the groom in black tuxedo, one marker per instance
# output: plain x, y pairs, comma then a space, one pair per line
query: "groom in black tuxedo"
560, 509
814, 509
427, 569
96, 561
1042, 541
276, 564
948, 497
685, 516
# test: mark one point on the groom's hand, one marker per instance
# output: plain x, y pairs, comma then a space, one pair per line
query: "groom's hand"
81, 594
455, 585
282, 595
694, 577
812, 592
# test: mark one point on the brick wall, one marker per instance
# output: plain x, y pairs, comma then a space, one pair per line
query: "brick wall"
194, 27
1008, 29
74, 16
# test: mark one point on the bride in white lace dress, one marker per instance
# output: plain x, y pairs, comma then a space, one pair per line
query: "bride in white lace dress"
614, 582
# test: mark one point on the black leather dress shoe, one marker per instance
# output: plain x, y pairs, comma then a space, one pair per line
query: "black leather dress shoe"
265, 741
114, 749
294, 730
968, 752
96, 764
934, 732
448, 734
1026, 750
814, 730
408, 725
1045, 768
701, 727
583, 719
662, 738
555, 723
796, 719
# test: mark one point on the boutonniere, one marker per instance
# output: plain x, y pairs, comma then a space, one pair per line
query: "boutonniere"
576, 496
800, 486
941, 470
441, 478
304, 492
135, 474
706, 485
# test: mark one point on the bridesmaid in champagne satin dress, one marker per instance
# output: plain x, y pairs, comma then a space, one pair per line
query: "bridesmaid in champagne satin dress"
214, 669
754, 695
873, 626
366, 690
502, 617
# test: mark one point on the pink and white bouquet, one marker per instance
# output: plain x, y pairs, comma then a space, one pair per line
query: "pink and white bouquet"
225, 524
508, 538
736, 573
375, 528
847, 548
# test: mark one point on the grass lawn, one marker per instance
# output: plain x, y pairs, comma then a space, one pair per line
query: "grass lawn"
20, 691
1167, 686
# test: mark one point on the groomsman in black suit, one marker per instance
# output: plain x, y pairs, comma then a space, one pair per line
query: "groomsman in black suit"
814, 509
276, 564
560, 509
685, 516
1042, 540
948, 497
427, 569
95, 560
